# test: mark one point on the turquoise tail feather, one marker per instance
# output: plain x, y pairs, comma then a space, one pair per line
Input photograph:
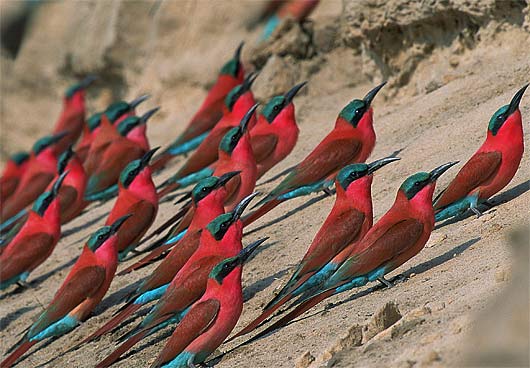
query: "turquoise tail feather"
187, 146
457, 208
103, 195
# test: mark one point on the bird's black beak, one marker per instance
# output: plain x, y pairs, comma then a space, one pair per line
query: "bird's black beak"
293, 91
240, 208
58, 183
514, 103
237, 53
87, 81
225, 178
249, 80
376, 165
371, 95
436, 173
246, 252
138, 100
244, 122
145, 117
147, 157
57, 137
118, 223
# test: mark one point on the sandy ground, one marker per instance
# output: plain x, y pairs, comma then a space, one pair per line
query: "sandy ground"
464, 267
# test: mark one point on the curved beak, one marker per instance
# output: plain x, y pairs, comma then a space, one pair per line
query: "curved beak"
436, 173
293, 91
247, 83
118, 223
87, 81
371, 95
145, 117
376, 165
225, 178
57, 137
240, 208
138, 100
58, 183
514, 103
244, 122
147, 157
237, 53
246, 252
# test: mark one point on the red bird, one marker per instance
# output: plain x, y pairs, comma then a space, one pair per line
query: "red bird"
82, 290
34, 241
237, 104
40, 172
220, 240
16, 166
292, 9
348, 222
72, 119
208, 198
209, 113
276, 133
491, 168
352, 140
210, 319
137, 197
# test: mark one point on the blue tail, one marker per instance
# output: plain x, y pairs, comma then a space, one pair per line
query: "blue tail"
12, 220
103, 195
187, 146
457, 208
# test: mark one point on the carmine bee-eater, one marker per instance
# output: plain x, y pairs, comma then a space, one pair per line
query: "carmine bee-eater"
34, 240
211, 319
90, 131
82, 290
276, 133
348, 222
491, 168
351, 140
137, 197
110, 152
234, 153
40, 172
72, 117
15, 168
209, 113
120, 110
220, 240
294, 9
397, 237
208, 198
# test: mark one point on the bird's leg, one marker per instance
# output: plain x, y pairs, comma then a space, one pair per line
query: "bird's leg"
23, 284
385, 282
327, 191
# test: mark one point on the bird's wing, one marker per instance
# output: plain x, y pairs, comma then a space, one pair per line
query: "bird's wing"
329, 156
80, 285
6, 238
232, 188
67, 196
478, 170
30, 250
198, 320
382, 249
263, 146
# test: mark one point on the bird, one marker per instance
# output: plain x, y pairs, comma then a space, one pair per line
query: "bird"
110, 152
33, 241
491, 168
220, 240
120, 110
90, 130
137, 197
348, 221
234, 154
238, 102
275, 133
72, 118
351, 141
292, 9
82, 290
210, 319
208, 198
399, 235
40, 172
12, 173
209, 113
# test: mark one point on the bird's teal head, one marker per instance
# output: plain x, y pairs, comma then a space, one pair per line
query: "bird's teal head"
220, 225
120, 108
64, 159
233, 65
225, 267
47, 141
348, 174
94, 121
100, 236
415, 183
134, 168
129, 123
209, 184
278, 103
45, 199
232, 137
19, 158
71, 91
502, 114
354, 111
239, 90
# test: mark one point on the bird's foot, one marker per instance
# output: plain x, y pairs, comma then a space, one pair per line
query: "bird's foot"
328, 191
385, 282
476, 211
23, 284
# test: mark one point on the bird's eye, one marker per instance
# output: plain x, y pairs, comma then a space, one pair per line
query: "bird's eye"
100, 237
500, 117
203, 189
224, 225
276, 108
